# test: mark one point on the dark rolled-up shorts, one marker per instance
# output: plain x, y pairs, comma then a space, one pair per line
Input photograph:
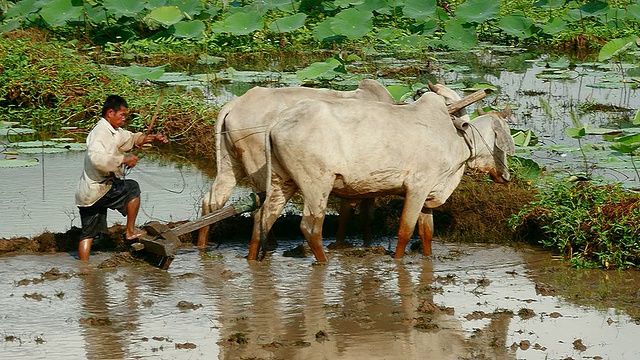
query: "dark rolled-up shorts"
94, 217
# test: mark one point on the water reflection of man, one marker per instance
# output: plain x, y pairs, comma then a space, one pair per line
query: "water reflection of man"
101, 185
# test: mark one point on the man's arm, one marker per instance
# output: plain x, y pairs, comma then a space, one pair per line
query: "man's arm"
145, 139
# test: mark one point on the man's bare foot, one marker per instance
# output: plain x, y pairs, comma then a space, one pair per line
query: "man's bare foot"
136, 233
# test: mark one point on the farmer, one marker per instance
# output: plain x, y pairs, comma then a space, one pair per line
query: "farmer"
101, 185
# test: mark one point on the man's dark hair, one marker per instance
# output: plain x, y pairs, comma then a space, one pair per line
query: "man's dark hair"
113, 102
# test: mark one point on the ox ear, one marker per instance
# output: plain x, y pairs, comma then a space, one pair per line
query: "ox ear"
504, 141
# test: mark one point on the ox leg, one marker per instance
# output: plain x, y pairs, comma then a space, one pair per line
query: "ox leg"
281, 191
366, 219
408, 220
215, 199
425, 229
315, 205
343, 222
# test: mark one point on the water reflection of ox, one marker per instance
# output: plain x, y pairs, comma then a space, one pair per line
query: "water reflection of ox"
352, 308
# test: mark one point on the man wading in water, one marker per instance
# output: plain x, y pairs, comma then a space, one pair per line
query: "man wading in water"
101, 185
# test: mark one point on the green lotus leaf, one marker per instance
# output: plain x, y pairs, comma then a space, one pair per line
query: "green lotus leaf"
347, 3
388, 34
478, 11
594, 8
15, 131
288, 23
380, 6
34, 143
72, 146
121, 8
616, 46
15, 163
189, 29
166, 15
516, 25
10, 25
459, 36
206, 59
243, 23
141, 73
352, 23
575, 133
633, 12
152, 4
23, 8
625, 148
398, 91
58, 12
189, 7
553, 26
323, 31
550, 4
636, 119
45, 150
421, 10
320, 70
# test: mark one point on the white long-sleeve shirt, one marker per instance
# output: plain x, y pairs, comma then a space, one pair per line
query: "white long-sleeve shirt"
105, 151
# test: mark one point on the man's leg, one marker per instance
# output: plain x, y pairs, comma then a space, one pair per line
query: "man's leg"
84, 249
132, 232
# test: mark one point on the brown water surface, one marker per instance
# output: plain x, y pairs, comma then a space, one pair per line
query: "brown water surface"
465, 302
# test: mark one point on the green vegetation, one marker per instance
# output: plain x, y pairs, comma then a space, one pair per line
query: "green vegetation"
593, 226
217, 26
54, 90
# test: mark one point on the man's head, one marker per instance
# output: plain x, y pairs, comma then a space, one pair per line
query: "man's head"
114, 110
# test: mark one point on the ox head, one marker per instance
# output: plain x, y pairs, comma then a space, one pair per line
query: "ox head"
491, 142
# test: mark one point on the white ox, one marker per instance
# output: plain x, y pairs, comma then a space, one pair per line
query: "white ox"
240, 139
358, 150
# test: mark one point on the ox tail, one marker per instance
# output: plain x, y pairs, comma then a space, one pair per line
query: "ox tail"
222, 115
268, 188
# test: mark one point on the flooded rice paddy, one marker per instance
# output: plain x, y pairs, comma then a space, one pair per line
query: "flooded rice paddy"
466, 302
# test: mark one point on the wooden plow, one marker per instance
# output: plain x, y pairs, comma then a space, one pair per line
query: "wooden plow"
161, 243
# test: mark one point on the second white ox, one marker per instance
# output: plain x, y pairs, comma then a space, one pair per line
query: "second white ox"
240, 135
358, 149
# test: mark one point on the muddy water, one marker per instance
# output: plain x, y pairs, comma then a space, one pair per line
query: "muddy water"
465, 302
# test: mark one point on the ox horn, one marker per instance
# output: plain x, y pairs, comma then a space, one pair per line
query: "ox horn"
505, 112
480, 110
432, 87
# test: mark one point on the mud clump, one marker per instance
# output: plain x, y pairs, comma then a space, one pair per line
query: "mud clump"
428, 307
545, 289
238, 338
186, 345
321, 336
525, 313
34, 296
120, 259
578, 345
363, 252
425, 324
300, 251
95, 321
53, 274
186, 305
